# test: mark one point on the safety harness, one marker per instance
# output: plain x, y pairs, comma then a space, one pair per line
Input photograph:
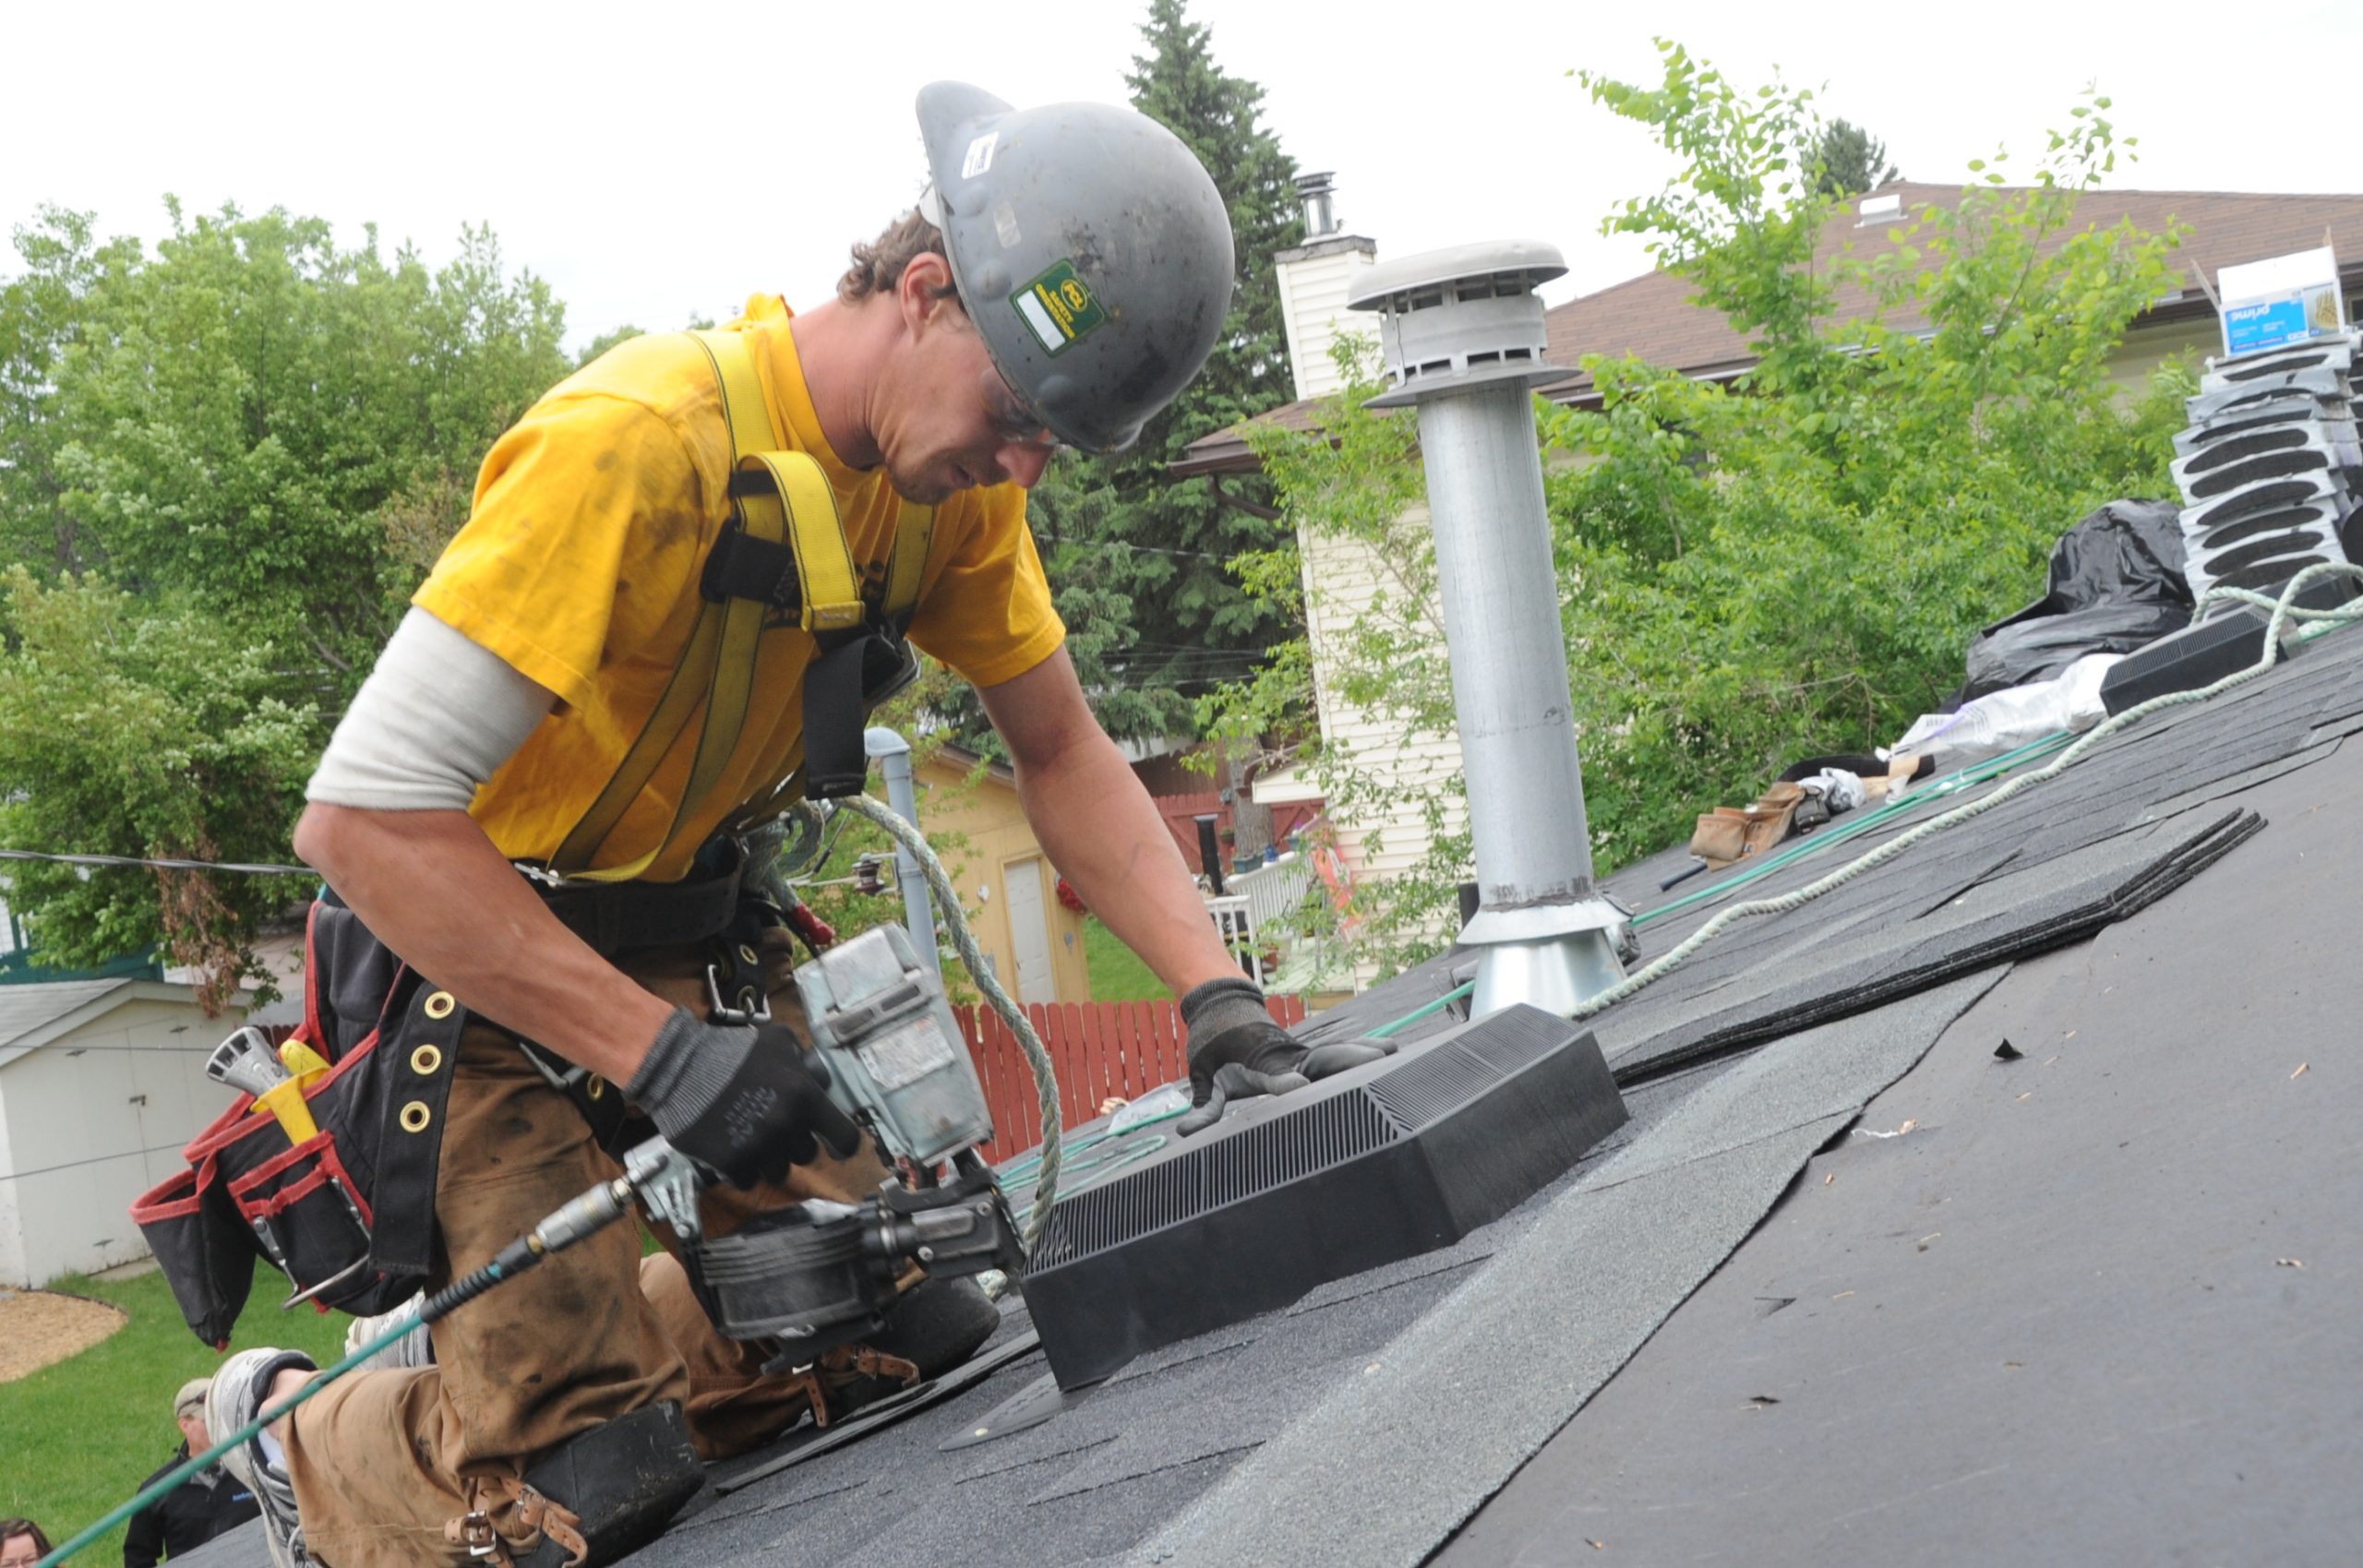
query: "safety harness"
782, 559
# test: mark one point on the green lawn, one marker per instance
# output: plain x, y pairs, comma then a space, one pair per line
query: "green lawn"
78, 1437
1117, 973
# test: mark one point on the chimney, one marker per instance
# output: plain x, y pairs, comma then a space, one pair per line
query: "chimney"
1314, 279
1463, 335
1316, 191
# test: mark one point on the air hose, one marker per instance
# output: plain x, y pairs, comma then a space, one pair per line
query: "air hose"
1046, 1081
612, 1199
580, 1218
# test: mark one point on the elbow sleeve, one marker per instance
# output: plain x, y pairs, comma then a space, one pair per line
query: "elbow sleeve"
436, 718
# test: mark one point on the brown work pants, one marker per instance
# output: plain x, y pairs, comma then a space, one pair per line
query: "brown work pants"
381, 1459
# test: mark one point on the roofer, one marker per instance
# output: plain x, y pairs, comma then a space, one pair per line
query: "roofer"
1063, 277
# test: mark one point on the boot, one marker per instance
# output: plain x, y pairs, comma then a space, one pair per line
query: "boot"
937, 1324
624, 1481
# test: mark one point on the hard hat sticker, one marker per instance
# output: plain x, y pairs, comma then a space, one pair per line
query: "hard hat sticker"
981, 155
1059, 308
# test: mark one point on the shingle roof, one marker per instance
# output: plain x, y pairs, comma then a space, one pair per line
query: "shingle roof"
24, 1009
2095, 1305
1652, 317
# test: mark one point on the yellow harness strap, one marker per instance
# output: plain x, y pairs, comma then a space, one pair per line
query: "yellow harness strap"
781, 497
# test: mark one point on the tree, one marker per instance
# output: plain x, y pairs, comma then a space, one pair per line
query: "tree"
227, 465
130, 726
1140, 560
1791, 562
1847, 160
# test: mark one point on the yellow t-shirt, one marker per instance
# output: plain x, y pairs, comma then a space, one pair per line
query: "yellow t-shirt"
579, 566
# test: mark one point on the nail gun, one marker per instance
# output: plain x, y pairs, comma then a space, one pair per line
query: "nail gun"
819, 1274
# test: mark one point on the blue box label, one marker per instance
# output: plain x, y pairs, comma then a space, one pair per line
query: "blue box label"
2267, 325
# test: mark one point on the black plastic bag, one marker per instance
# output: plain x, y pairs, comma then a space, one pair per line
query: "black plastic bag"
2117, 584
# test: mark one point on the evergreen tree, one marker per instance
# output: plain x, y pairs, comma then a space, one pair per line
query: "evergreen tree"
1848, 160
1139, 557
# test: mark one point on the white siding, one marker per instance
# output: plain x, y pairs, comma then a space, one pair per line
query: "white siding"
1341, 578
2146, 349
1312, 306
12, 1230
92, 1119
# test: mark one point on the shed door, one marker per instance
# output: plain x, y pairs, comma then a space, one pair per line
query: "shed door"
1029, 932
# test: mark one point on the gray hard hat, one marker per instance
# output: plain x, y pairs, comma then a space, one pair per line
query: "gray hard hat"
1090, 247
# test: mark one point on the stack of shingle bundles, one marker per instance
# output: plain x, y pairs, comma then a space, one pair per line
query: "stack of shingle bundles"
2270, 468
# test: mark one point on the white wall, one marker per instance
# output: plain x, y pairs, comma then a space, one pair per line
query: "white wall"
91, 1120
1341, 578
2145, 348
1314, 283
12, 1235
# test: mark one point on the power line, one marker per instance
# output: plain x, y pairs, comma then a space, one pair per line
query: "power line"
165, 865
133, 1050
94, 1159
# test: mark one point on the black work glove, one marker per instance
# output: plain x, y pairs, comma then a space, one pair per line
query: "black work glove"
1237, 1050
746, 1102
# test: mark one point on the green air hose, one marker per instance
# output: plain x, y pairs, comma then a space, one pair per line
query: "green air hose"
520, 1256
1046, 1081
2071, 750
443, 1303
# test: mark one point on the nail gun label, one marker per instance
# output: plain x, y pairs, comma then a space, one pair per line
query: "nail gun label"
905, 1055
1059, 308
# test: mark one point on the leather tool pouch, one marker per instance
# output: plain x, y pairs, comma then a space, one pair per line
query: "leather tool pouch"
348, 1214
1731, 833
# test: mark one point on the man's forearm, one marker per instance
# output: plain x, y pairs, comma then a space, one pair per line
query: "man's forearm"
431, 886
1104, 835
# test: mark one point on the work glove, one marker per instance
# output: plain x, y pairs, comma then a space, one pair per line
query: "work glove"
1236, 1050
745, 1102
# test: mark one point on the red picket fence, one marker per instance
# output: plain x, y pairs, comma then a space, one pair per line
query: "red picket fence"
1097, 1049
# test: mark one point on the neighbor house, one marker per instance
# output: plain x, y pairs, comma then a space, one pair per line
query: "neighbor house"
1033, 942
1652, 317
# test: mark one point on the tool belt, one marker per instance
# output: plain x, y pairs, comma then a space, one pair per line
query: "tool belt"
348, 1213
710, 905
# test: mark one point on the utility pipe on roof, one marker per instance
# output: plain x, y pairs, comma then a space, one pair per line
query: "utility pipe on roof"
894, 755
1463, 336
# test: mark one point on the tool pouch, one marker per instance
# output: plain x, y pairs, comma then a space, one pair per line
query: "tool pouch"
347, 1214
1731, 833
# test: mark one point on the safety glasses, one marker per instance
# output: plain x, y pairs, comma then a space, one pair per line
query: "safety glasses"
1013, 422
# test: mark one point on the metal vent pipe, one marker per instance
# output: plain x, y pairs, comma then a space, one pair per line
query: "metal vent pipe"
1463, 336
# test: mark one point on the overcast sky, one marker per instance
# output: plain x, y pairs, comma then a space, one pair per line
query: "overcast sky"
607, 144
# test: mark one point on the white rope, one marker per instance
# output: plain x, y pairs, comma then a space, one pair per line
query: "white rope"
1045, 1083
2282, 609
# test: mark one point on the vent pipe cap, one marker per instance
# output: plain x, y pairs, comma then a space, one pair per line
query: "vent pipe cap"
1456, 319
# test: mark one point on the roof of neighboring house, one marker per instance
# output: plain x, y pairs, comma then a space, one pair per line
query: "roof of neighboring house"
1854, 1283
27, 1009
1653, 316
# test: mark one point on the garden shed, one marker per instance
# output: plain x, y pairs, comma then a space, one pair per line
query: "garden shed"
102, 1082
